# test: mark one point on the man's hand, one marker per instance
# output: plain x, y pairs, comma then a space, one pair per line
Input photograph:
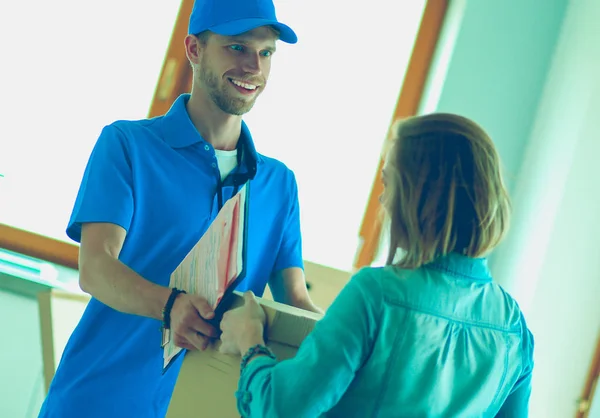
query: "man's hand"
188, 326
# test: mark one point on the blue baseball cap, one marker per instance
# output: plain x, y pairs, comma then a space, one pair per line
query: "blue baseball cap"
234, 17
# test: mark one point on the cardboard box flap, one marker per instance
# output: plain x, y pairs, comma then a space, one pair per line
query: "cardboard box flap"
285, 324
287, 329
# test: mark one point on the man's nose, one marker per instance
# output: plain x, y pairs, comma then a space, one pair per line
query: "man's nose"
252, 64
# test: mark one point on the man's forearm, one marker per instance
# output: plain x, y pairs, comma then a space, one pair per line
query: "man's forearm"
288, 286
307, 305
116, 285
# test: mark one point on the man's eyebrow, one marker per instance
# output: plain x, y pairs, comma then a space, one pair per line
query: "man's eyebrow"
235, 38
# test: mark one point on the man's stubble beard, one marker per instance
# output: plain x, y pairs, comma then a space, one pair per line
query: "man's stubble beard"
219, 95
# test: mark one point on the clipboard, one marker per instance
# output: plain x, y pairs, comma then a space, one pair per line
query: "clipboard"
228, 294
191, 275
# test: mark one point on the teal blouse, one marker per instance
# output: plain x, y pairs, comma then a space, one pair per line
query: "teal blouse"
439, 341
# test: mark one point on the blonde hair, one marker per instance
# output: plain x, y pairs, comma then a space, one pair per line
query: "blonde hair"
444, 190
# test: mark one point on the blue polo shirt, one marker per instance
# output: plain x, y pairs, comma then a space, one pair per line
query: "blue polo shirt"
159, 179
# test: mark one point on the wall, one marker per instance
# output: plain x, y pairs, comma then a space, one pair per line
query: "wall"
550, 261
595, 409
22, 280
491, 65
21, 369
562, 295
500, 54
528, 73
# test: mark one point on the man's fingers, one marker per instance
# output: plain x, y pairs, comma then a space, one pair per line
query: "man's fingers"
183, 343
192, 321
202, 307
197, 324
191, 340
198, 340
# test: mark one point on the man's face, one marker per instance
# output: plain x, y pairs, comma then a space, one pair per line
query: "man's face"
233, 70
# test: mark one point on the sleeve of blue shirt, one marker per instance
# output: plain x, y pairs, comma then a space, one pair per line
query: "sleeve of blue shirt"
517, 403
290, 250
106, 193
314, 380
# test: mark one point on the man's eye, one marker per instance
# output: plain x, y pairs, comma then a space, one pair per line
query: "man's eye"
266, 53
236, 47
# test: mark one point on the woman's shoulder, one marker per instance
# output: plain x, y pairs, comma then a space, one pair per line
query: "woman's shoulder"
383, 280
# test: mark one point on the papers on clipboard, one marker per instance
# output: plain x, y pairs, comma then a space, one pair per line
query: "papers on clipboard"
216, 264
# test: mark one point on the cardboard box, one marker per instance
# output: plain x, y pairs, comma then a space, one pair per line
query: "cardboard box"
208, 380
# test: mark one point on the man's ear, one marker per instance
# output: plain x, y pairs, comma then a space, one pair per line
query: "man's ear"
193, 49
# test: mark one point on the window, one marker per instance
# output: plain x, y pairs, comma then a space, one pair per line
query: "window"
69, 68
325, 114
327, 110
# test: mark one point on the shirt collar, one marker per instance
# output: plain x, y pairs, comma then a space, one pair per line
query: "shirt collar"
179, 131
462, 266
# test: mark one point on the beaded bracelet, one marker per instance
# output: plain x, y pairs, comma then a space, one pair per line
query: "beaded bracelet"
253, 351
166, 312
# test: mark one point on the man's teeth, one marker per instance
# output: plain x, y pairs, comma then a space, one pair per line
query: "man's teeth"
244, 85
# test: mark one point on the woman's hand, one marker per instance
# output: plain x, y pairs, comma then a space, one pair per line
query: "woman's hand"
243, 327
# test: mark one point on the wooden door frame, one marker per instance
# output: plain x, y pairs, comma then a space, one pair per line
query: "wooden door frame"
591, 383
176, 73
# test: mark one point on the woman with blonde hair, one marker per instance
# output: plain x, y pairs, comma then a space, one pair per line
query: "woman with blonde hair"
429, 334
